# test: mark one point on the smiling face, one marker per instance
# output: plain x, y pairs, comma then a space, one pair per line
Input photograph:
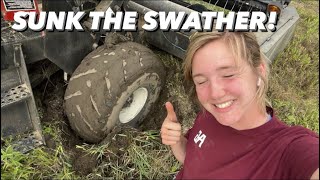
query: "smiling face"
226, 87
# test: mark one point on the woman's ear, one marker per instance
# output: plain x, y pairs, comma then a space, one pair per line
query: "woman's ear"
262, 70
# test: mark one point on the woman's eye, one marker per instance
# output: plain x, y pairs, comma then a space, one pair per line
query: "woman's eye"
228, 76
201, 82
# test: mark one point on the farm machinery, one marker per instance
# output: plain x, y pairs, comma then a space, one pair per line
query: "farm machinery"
113, 78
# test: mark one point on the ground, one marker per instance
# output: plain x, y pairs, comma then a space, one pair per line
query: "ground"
49, 97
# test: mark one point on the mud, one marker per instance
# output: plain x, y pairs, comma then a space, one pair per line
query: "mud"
84, 163
49, 98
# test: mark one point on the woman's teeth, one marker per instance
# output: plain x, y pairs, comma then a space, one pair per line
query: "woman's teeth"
224, 105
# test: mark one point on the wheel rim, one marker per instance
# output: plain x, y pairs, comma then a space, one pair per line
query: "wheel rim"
133, 105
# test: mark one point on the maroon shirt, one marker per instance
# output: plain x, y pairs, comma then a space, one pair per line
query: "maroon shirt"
271, 151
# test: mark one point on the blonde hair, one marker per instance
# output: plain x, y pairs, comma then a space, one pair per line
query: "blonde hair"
243, 45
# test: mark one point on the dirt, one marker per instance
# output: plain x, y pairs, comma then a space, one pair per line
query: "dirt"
49, 98
85, 163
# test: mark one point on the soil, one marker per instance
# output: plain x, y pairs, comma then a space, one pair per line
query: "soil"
49, 99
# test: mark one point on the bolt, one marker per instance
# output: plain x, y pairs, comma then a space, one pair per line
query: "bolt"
117, 8
95, 45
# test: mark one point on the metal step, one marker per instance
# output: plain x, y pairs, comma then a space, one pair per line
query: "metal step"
28, 142
19, 115
15, 94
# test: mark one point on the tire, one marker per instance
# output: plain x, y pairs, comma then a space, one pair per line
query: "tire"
113, 86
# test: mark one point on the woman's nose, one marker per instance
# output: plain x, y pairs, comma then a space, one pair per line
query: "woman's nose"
216, 90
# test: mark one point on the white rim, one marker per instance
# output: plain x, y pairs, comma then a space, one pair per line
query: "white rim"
138, 100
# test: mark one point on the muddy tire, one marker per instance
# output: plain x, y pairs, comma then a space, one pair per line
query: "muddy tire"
113, 86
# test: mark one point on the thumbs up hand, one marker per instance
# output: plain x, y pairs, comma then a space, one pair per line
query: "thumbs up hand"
171, 128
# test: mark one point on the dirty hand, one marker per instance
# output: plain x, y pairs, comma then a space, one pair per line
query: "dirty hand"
171, 128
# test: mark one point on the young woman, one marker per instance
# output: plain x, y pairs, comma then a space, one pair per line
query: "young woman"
236, 135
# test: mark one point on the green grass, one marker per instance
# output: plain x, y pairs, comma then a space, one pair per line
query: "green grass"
13, 165
293, 92
40, 163
37, 164
294, 84
144, 158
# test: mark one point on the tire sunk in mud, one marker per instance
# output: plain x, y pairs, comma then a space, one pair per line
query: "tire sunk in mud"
111, 86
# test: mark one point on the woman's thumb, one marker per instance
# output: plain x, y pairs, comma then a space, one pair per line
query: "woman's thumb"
170, 112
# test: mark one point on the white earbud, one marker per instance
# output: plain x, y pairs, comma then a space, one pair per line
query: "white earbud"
259, 81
